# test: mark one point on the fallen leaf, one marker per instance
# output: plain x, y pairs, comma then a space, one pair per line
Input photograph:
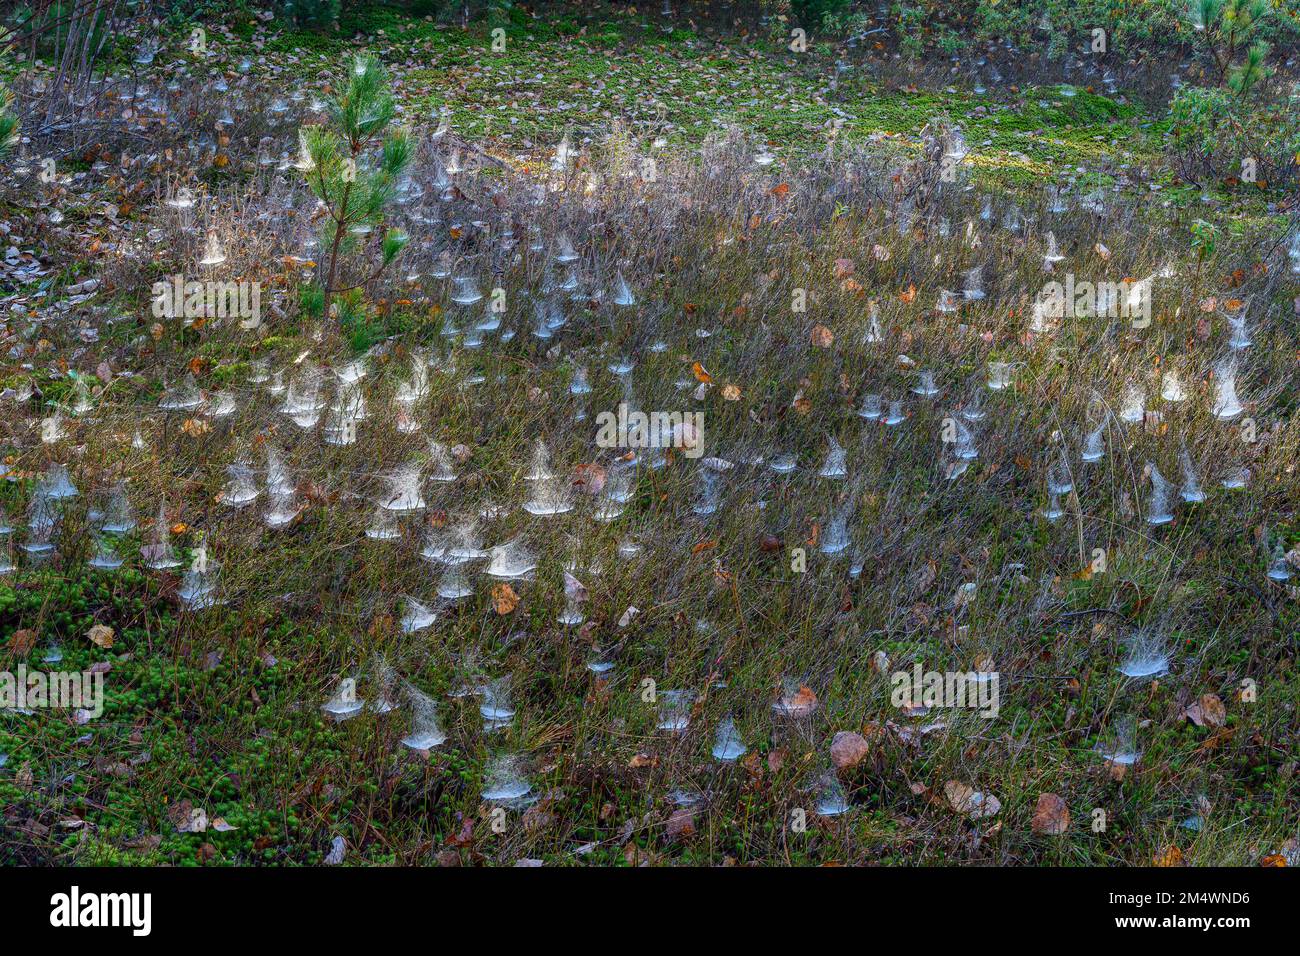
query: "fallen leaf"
589, 477
1207, 711
504, 599
966, 799
574, 589
848, 749
801, 703
1170, 856
1051, 816
21, 642
100, 635
681, 825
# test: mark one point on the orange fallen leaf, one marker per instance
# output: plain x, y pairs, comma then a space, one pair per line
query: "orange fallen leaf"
504, 599
801, 703
1170, 856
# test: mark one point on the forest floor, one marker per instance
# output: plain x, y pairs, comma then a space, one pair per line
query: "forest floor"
213, 748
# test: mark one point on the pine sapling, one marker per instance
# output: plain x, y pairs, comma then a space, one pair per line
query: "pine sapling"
352, 163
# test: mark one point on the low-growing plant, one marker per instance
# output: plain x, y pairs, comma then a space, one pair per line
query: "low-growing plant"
314, 14
815, 14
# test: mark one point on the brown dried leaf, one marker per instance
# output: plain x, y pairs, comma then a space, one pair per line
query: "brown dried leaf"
21, 642
1207, 711
1051, 816
848, 749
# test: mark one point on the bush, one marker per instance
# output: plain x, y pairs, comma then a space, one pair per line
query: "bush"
811, 14
1058, 26
1227, 130
316, 14
8, 121
320, 14
1219, 134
